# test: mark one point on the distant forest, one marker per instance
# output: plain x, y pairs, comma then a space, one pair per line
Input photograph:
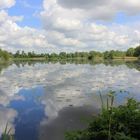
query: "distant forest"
131, 52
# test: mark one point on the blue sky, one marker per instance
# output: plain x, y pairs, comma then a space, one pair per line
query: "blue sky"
29, 9
69, 25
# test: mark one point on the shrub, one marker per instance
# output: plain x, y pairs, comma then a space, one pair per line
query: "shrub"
113, 123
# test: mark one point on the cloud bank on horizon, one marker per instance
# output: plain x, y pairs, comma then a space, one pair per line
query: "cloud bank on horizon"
69, 25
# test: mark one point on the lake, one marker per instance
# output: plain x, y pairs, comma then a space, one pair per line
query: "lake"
43, 100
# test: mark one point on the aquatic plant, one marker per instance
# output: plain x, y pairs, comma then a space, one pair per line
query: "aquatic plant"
113, 123
7, 133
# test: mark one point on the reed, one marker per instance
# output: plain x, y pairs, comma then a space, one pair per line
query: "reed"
7, 133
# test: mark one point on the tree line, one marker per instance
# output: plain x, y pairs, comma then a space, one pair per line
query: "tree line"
131, 52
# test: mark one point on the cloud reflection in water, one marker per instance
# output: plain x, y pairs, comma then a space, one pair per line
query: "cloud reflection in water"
65, 85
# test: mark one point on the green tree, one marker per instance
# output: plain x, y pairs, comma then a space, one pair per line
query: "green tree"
130, 52
63, 55
137, 51
4, 55
17, 54
108, 55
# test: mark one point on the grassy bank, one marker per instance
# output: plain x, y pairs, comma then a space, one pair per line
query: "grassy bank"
126, 58
78, 58
29, 59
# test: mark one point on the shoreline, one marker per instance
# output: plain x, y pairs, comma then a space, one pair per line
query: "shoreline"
67, 59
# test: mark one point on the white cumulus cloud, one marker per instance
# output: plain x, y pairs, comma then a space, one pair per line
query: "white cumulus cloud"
75, 19
7, 3
70, 25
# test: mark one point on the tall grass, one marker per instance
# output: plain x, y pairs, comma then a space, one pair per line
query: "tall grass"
7, 135
108, 107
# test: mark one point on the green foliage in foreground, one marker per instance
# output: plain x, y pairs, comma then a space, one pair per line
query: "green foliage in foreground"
113, 123
7, 134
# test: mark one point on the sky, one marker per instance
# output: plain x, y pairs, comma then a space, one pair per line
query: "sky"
47, 26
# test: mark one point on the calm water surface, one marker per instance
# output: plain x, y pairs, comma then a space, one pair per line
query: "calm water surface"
40, 101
